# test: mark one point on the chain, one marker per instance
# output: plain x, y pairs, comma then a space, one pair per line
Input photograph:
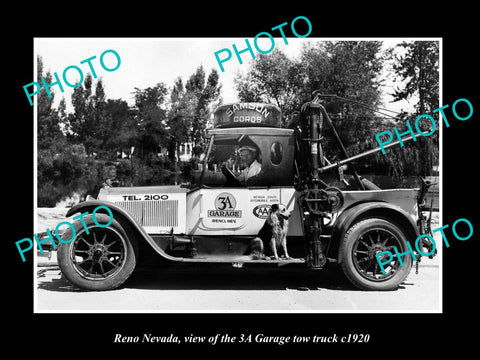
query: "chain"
417, 263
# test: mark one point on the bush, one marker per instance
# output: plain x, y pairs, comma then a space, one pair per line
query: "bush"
69, 170
61, 174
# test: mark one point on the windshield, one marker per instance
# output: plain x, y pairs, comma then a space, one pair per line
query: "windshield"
248, 158
232, 160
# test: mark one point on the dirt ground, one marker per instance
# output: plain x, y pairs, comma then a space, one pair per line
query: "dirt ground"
48, 218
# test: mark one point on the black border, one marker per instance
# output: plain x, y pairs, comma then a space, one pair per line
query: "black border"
412, 333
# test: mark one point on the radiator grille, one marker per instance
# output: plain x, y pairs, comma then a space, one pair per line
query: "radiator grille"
153, 213
160, 213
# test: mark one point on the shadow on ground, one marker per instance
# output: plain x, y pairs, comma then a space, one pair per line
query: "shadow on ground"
247, 278
217, 278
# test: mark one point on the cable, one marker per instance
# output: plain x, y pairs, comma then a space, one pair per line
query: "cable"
317, 93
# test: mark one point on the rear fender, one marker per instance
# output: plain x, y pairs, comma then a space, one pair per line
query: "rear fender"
378, 209
123, 217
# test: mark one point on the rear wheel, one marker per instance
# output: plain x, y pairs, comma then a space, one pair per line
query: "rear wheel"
358, 250
101, 258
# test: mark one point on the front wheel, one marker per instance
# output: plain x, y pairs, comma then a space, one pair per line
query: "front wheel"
98, 258
362, 242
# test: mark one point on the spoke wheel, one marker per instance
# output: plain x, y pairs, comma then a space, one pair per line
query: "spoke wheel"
357, 253
99, 254
101, 258
375, 241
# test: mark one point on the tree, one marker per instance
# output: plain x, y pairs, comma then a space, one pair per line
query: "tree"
189, 109
121, 131
351, 71
417, 67
150, 117
87, 124
62, 167
272, 78
48, 118
354, 69
205, 96
179, 118
348, 69
198, 95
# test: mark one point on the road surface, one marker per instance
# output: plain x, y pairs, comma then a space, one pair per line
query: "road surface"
240, 290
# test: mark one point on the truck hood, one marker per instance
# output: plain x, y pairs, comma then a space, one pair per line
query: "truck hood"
159, 209
116, 191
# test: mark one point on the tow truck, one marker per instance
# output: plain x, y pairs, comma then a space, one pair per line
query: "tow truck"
214, 218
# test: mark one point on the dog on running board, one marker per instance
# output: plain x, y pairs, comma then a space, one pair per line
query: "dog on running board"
273, 234
278, 220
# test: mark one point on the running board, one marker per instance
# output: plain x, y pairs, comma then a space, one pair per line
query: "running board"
243, 260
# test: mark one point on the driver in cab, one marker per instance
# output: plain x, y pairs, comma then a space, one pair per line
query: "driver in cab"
248, 155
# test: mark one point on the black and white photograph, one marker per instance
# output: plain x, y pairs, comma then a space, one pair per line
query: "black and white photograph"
206, 177
237, 180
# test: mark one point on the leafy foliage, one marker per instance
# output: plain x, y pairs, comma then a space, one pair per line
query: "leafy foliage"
48, 118
417, 68
189, 109
75, 150
150, 118
351, 71
273, 78
348, 69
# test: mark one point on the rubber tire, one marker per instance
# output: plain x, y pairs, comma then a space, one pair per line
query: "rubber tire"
345, 251
110, 283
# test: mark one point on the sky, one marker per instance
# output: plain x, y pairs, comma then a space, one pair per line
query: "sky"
148, 61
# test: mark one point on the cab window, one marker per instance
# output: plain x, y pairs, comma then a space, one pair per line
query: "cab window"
240, 160
233, 161
276, 153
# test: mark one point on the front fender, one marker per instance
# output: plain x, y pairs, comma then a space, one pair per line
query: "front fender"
380, 209
122, 216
